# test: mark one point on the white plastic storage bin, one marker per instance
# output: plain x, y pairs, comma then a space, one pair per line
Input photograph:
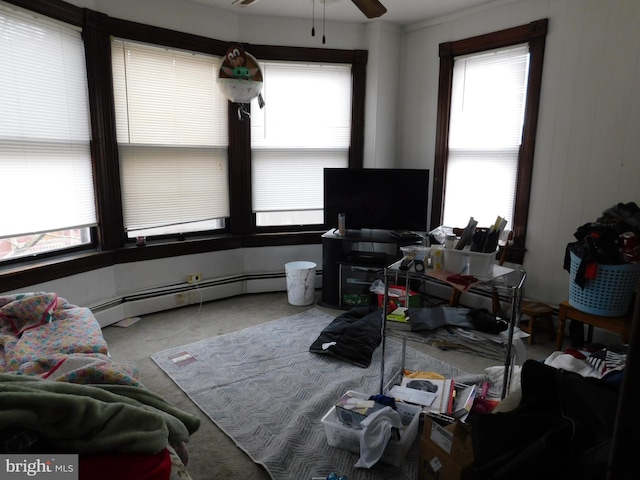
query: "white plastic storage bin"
347, 438
480, 264
455, 260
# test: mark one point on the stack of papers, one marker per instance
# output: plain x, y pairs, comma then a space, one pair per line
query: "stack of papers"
434, 395
441, 398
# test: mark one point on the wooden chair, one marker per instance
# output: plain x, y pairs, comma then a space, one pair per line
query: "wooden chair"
534, 311
620, 325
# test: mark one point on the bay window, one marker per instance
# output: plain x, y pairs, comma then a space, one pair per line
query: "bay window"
112, 129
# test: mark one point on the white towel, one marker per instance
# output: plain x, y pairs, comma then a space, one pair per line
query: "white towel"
375, 435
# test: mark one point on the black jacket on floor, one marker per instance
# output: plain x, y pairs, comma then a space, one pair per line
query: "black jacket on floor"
351, 336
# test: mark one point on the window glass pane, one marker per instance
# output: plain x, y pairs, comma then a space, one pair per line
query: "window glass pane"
472, 193
45, 161
173, 136
325, 119
292, 145
487, 114
167, 97
164, 186
29, 245
284, 179
298, 217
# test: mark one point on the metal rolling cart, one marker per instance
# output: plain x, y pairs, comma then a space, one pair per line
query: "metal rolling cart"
508, 289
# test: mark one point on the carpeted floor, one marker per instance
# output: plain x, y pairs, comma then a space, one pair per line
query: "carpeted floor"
213, 455
264, 388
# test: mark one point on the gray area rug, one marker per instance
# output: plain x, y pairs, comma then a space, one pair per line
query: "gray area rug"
265, 390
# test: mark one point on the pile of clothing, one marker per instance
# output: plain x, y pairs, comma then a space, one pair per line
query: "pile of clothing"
611, 240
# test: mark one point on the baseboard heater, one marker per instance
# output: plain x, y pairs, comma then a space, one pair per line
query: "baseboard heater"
181, 288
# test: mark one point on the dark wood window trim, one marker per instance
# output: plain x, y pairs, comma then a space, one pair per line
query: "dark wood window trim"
13, 277
112, 246
533, 33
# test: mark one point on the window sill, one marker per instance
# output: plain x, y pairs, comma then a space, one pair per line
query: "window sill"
32, 272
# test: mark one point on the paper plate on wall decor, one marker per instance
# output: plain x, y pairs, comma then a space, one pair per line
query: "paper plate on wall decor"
240, 77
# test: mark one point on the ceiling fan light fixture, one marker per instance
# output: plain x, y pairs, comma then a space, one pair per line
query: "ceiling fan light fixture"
371, 8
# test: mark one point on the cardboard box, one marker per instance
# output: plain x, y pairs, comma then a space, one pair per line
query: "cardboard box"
446, 451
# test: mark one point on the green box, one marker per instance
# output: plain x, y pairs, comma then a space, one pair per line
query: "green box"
356, 299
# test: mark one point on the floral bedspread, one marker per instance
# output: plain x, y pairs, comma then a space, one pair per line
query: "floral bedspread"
44, 335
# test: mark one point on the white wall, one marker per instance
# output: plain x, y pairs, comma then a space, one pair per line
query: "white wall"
586, 157
132, 289
381, 102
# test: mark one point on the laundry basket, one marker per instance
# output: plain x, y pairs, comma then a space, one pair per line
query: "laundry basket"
609, 294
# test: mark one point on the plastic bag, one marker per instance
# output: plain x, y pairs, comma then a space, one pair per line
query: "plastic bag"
440, 233
377, 287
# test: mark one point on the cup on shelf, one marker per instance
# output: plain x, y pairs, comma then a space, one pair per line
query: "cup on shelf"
342, 228
437, 257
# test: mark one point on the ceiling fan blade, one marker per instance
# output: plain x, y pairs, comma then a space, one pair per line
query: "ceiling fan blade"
371, 8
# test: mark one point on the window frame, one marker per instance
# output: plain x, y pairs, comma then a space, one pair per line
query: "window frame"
263, 147
135, 142
68, 30
534, 34
243, 219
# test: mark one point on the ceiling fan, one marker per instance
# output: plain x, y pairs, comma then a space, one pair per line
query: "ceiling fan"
371, 8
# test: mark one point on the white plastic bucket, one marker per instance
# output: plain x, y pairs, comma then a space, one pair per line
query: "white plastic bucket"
301, 282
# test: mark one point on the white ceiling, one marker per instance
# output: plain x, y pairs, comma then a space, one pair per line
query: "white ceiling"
401, 12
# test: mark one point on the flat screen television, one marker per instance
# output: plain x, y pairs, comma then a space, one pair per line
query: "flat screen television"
376, 198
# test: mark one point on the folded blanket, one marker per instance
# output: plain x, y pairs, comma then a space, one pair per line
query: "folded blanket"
92, 418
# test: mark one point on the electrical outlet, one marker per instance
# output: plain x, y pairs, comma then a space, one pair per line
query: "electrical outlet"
194, 277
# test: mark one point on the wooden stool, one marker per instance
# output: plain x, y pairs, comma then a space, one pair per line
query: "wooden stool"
535, 310
621, 325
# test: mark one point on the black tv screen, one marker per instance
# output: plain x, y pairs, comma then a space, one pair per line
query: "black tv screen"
376, 198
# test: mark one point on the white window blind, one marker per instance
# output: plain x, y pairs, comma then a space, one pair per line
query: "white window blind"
173, 137
304, 127
485, 133
45, 162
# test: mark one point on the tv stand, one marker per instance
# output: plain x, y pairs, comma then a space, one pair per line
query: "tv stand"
351, 262
405, 235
